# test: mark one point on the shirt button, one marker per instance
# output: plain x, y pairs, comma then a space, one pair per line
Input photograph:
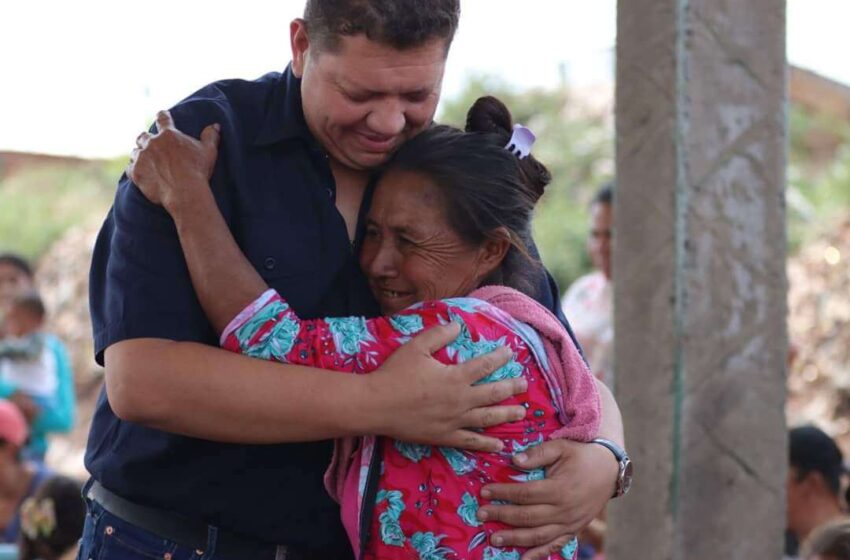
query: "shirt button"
270, 263
330, 192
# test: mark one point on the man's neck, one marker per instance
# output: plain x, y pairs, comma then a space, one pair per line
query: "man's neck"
822, 511
350, 186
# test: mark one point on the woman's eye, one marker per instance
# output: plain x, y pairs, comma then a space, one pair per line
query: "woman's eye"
371, 232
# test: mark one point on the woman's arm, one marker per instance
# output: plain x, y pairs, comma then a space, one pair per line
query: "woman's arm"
59, 416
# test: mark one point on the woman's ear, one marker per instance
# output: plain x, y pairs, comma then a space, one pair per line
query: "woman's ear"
300, 44
493, 251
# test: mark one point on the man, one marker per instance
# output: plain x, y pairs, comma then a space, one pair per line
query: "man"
814, 481
589, 301
187, 446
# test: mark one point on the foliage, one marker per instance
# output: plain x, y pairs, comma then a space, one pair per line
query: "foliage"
818, 179
37, 205
576, 145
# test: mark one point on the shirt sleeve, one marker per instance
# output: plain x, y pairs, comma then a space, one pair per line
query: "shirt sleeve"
269, 329
139, 282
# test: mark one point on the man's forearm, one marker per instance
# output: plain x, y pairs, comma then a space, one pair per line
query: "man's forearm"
205, 392
611, 426
224, 280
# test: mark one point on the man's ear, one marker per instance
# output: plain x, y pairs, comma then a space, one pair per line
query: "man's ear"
300, 44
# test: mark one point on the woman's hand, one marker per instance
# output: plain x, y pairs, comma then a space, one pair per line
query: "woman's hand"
168, 165
580, 479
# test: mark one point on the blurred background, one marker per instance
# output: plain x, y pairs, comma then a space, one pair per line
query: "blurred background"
82, 79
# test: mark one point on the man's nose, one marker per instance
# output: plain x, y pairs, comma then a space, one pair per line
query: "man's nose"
388, 118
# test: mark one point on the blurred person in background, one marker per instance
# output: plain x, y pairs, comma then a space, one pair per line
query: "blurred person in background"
52, 520
814, 482
588, 304
26, 362
56, 413
19, 478
829, 542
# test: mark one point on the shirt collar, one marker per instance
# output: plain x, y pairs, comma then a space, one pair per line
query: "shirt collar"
284, 119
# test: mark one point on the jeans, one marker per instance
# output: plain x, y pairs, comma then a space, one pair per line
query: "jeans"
107, 537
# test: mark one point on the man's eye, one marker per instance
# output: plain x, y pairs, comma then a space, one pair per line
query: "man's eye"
417, 96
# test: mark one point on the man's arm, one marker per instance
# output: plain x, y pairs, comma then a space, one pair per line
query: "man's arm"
201, 391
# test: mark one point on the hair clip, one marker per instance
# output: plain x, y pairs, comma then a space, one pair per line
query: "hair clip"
521, 141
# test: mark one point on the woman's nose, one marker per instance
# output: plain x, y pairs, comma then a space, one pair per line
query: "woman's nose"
383, 264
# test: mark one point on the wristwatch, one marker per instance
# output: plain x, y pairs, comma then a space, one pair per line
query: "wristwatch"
624, 476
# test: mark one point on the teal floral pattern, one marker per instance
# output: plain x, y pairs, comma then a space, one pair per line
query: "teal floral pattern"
349, 333
391, 533
428, 547
413, 451
407, 325
491, 553
468, 510
460, 461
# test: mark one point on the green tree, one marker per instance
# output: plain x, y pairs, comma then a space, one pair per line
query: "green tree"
576, 145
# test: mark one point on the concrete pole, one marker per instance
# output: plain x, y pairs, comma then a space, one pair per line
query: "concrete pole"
699, 272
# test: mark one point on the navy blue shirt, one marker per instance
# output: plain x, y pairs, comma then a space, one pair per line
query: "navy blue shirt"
274, 187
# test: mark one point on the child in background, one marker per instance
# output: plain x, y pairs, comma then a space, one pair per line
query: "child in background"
26, 362
52, 520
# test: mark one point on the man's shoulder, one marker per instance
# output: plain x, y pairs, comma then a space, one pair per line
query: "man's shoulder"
235, 101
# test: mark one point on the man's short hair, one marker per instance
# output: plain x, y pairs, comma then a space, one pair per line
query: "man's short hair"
605, 194
401, 24
32, 303
811, 450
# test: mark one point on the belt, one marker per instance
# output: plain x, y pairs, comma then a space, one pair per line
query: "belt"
188, 532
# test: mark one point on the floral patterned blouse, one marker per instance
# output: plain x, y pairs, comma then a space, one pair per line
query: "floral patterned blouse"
427, 497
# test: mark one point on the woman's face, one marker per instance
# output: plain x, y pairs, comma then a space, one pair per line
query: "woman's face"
410, 253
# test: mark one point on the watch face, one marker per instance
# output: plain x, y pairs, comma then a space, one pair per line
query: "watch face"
626, 477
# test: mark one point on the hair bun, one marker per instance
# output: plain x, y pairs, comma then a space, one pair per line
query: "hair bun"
488, 114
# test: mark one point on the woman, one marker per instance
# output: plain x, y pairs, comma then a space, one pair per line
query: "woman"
450, 214
56, 414
19, 478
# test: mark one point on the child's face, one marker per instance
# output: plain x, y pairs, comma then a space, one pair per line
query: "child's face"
21, 322
13, 282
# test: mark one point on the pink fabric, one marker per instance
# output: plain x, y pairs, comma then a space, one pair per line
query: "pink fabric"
427, 497
564, 359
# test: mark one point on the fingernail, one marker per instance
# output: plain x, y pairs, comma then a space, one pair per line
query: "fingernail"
485, 493
521, 458
497, 540
482, 515
498, 446
522, 383
217, 127
520, 414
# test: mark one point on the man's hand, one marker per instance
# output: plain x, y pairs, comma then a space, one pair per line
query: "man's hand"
166, 165
580, 479
420, 400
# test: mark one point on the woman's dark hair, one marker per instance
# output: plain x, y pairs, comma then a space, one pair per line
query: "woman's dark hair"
485, 188
829, 541
53, 539
17, 261
400, 24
